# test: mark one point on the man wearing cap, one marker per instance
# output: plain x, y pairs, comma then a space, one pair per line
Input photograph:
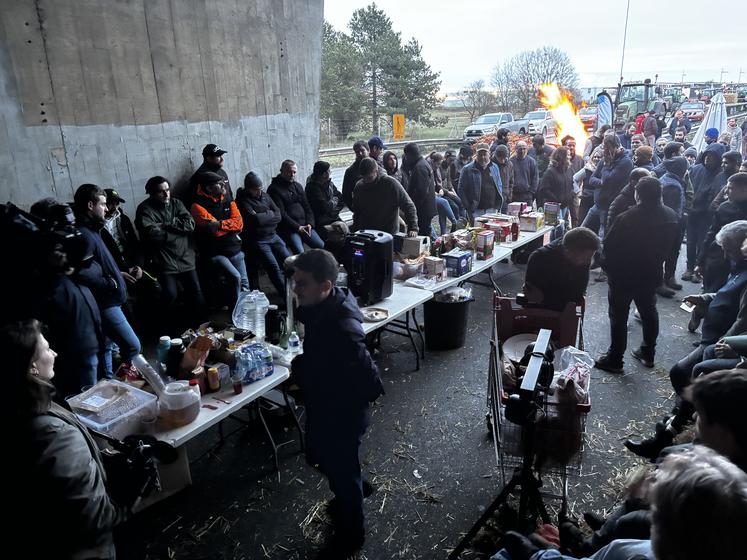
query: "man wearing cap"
218, 224
526, 179
119, 237
420, 185
650, 128
480, 185
212, 157
375, 148
352, 173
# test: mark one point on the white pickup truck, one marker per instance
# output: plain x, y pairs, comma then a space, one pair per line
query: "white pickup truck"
489, 123
540, 121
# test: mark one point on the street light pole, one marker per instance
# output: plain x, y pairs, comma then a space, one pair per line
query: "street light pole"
682, 80
721, 79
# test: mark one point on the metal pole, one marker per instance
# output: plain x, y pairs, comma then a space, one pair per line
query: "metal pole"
625, 37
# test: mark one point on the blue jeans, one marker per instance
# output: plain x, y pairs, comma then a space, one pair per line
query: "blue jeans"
117, 331
235, 269
456, 205
295, 241
444, 211
595, 220
272, 253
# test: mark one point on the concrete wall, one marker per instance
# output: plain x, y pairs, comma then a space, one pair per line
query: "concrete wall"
115, 91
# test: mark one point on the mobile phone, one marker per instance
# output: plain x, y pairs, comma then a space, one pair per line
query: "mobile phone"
687, 306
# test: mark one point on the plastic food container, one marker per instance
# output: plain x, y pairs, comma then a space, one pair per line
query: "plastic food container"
114, 408
180, 405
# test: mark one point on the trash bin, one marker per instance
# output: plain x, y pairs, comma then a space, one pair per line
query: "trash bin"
446, 322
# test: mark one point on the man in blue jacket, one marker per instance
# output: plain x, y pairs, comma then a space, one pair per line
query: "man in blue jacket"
480, 186
102, 276
338, 379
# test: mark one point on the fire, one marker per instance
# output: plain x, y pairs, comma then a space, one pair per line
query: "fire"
564, 112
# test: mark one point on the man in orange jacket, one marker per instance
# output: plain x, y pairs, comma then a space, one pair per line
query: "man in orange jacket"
218, 223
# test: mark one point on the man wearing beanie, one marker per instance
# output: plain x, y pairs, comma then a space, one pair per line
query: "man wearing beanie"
691, 154
378, 199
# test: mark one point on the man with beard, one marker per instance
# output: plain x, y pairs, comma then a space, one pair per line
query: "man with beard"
212, 162
480, 186
526, 179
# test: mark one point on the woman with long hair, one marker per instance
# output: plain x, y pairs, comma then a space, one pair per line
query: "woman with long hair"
66, 511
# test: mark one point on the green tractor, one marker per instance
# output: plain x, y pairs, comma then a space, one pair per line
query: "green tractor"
634, 98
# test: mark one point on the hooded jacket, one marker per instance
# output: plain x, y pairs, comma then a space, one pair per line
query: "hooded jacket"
377, 205
637, 244
325, 201
102, 275
349, 180
726, 213
292, 202
260, 215
166, 233
622, 202
421, 187
673, 184
336, 373
555, 186
707, 181
609, 179
225, 241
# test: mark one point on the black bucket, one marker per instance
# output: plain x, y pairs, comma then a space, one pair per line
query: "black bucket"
445, 323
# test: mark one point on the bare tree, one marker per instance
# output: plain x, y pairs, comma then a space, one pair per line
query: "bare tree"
517, 79
476, 100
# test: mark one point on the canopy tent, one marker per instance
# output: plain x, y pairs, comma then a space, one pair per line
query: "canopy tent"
715, 117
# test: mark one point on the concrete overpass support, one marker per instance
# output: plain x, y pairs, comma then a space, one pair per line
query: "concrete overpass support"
115, 91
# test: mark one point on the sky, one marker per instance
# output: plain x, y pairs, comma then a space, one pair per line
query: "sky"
463, 40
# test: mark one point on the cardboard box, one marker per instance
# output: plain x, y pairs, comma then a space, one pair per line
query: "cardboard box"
485, 241
458, 262
531, 221
434, 266
516, 208
552, 211
413, 247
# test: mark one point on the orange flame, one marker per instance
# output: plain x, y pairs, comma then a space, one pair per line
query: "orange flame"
565, 113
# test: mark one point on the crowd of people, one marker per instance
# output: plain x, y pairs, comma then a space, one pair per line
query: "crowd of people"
625, 206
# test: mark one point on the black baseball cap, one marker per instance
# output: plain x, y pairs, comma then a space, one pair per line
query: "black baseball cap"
212, 150
113, 196
209, 178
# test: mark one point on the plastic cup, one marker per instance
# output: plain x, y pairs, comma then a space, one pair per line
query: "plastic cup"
237, 385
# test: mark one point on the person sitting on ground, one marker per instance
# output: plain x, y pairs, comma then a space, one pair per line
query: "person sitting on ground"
218, 223
352, 173
378, 200
166, 228
558, 273
297, 226
325, 200
634, 250
688, 482
261, 218
724, 314
55, 459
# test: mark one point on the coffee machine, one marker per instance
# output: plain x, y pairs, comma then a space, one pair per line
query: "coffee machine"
368, 259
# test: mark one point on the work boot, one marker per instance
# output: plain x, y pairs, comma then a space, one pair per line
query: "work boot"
697, 278
594, 520
643, 357
650, 448
606, 363
368, 489
663, 291
687, 275
672, 283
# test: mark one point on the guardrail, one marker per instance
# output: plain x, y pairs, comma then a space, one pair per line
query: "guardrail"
431, 142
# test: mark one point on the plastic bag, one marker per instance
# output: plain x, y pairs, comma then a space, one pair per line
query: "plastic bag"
454, 294
572, 364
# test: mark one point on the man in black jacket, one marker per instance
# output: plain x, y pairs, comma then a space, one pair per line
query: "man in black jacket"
102, 276
352, 173
212, 161
626, 198
324, 198
297, 223
338, 380
261, 218
633, 255
421, 186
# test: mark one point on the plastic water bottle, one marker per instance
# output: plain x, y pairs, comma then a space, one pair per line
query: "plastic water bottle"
261, 305
265, 358
162, 350
342, 277
294, 343
244, 313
